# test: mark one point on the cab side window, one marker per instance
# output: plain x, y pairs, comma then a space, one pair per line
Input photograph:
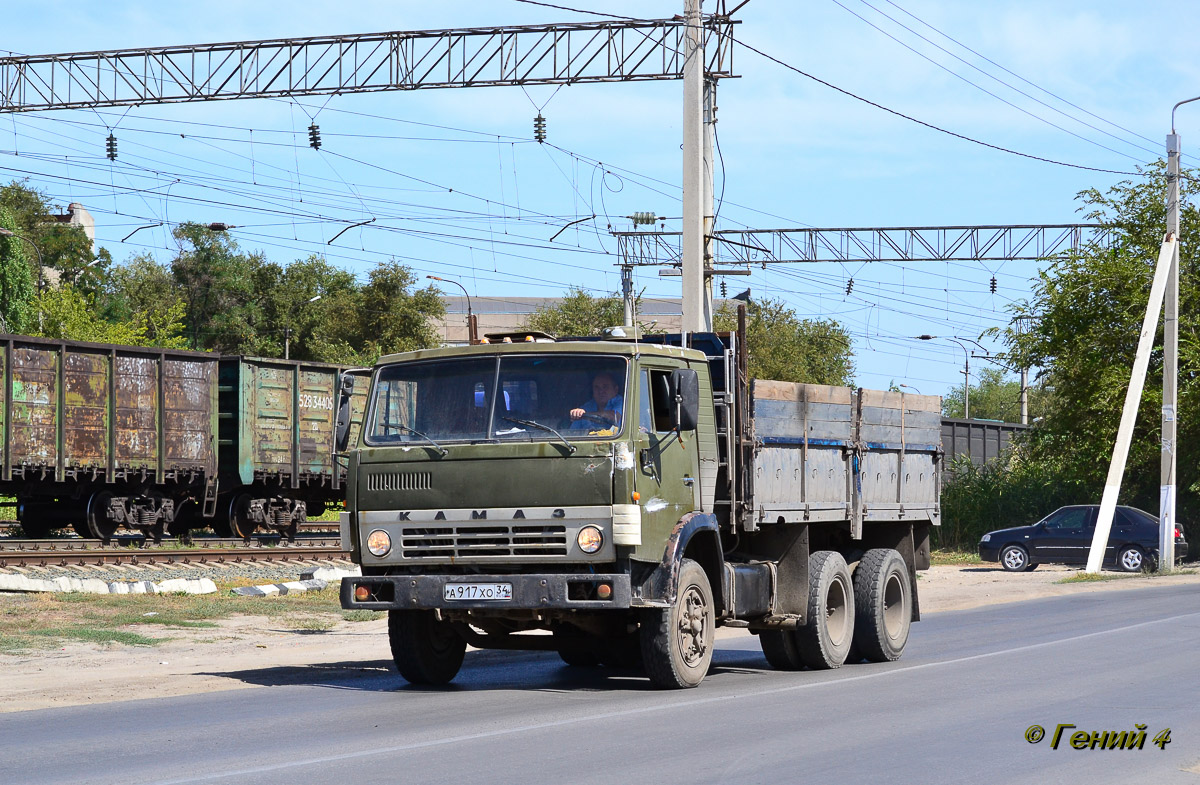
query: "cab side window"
645, 412
660, 394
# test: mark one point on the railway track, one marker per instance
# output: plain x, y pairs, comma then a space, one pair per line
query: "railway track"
134, 551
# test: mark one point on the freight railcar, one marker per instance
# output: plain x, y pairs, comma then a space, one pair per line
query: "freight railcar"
99, 437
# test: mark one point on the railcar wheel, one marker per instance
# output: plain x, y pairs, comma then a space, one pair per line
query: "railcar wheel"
425, 650
824, 640
35, 530
677, 642
240, 524
98, 523
882, 605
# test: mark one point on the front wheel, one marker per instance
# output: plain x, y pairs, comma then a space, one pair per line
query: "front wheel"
677, 642
1131, 559
1014, 558
425, 650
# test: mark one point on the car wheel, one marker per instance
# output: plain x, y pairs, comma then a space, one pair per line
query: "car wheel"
1131, 559
1014, 558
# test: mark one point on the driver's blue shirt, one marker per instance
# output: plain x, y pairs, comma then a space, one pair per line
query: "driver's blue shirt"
616, 404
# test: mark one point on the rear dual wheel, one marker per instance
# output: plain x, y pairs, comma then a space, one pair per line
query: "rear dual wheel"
850, 618
883, 605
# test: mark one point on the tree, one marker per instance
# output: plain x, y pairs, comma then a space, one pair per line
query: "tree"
216, 283
143, 290
287, 297
16, 278
996, 396
1083, 322
578, 313
388, 314
70, 314
784, 347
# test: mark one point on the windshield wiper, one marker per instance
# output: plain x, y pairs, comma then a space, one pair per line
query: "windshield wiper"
442, 450
533, 424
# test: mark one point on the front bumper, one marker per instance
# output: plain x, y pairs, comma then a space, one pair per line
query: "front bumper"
529, 592
988, 552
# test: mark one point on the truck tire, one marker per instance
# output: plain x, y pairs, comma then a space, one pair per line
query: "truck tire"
576, 649
882, 605
823, 641
779, 647
677, 642
425, 650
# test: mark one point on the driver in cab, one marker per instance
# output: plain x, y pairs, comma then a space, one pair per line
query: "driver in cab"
606, 405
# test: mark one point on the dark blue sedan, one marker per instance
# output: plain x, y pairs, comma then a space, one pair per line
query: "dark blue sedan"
1065, 537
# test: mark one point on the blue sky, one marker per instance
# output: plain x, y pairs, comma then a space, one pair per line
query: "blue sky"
795, 153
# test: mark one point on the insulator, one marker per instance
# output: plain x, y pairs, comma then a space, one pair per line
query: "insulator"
314, 136
643, 218
849, 286
724, 290
110, 147
993, 284
539, 128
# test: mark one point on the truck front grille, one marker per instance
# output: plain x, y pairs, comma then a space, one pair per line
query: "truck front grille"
398, 481
457, 541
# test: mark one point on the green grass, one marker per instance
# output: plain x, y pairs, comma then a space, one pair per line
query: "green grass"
944, 557
361, 615
29, 622
1096, 577
101, 635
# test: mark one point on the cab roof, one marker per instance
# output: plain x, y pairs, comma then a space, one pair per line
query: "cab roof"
621, 348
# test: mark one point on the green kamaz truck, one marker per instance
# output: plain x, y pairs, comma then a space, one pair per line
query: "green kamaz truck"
617, 500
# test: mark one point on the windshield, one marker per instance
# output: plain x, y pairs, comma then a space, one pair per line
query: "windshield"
523, 397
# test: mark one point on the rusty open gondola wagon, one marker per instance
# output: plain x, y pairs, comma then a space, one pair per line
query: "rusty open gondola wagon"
98, 437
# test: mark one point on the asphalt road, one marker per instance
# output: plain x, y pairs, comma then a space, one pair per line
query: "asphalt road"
955, 709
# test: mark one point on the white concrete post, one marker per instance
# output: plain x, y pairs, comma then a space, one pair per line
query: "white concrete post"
1133, 397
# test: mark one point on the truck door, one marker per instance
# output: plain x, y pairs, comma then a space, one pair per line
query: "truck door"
667, 476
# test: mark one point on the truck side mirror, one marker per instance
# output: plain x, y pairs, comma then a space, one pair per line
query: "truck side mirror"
685, 399
342, 433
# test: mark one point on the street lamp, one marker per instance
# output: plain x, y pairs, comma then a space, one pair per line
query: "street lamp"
909, 387
470, 318
966, 366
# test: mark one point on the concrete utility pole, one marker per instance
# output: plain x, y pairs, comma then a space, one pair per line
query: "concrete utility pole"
1133, 397
692, 245
1170, 403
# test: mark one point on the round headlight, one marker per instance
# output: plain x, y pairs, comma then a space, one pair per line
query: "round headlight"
379, 543
589, 539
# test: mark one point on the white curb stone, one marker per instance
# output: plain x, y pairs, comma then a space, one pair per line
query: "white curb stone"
330, 574
22, 583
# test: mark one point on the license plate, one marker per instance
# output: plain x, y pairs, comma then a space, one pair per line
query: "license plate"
477, 591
